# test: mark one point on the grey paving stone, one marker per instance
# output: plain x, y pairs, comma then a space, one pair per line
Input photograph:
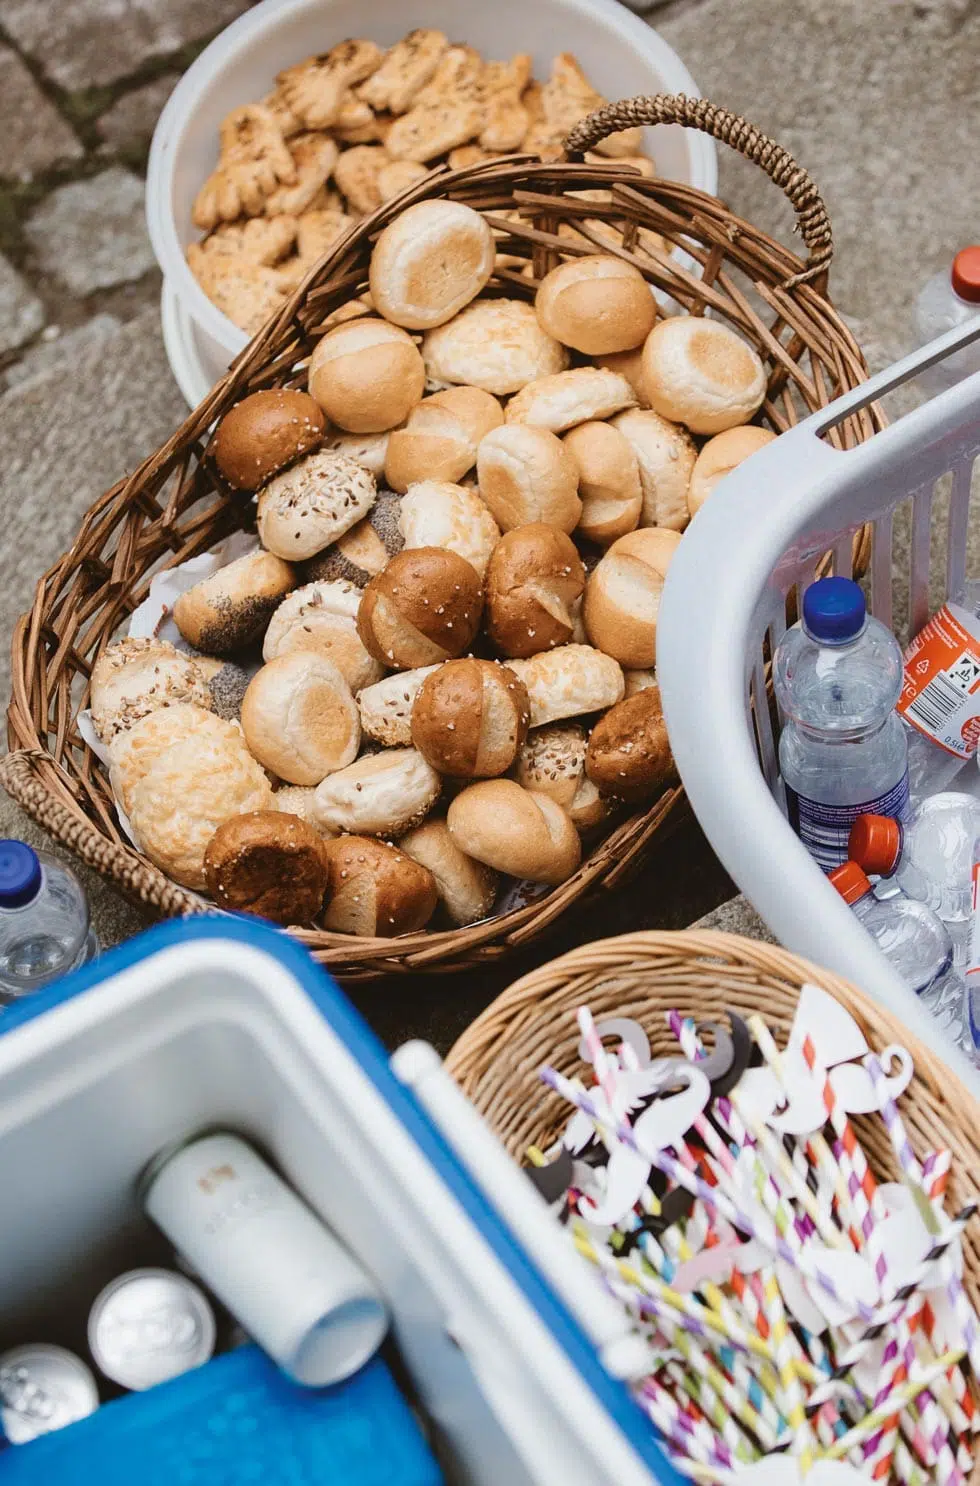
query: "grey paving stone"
86, 43
21, 312
35, 136
131, 121
92, 234
736, 917
62, 349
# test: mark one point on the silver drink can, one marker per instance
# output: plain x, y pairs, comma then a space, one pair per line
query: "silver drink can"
43, 1388
150, 1325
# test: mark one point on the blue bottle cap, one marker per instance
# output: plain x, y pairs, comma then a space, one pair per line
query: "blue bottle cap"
834, 610
20, 874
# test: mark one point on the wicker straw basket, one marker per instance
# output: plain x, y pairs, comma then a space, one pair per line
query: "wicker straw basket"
645, 975
174, 506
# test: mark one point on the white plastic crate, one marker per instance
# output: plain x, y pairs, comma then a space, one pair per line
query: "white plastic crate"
764, 533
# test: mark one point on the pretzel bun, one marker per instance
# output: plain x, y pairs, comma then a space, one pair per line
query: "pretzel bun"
424, 607
375, 890
470, 718
535, 576
629, 752
264, 433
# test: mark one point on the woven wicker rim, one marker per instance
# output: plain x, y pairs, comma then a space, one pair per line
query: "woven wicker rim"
174, 506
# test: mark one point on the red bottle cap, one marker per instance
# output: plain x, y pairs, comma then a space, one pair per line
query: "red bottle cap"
965, 274
850, 882
874, 843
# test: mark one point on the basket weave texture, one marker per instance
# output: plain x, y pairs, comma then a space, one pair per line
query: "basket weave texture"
700, 974
175, 505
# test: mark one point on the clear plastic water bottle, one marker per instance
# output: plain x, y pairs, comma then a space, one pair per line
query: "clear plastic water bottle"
843, 750
930, 855
915, 941
971, 1040
948, 299
44, 921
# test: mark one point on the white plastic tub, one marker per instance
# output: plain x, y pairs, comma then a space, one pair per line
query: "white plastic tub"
621, 54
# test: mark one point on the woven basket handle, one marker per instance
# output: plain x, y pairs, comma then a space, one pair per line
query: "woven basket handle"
697, 113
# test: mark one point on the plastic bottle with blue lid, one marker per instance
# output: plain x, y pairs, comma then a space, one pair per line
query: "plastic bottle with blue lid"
843, 750
44, 921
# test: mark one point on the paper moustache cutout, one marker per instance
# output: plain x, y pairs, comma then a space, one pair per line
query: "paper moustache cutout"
553, 1180
742, 1049
835, 1035
715, 1064
797, 1299
853, 1085
627, 1031
784, 1470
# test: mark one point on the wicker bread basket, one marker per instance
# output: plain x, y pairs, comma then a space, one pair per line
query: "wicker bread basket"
645, 975
174, 506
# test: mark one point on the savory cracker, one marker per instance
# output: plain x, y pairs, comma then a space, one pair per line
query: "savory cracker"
356, 174
397, 176
314, 157
253, 160
407, 67
315, 90
501, 86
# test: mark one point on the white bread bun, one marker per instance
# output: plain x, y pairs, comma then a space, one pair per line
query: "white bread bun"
231, 608
699, 372
496, 344
134, 677
533, 581
440, 439
526, 475
470, 717
515, 830
429, 262
467, 888
560, 401
665, 455
628, 364
366, 375
375, 890
622, 598
569, 682
608, 481
369, 449
382, 794
133, 753
639, 681
386, 707
300, 719
437, 513
720, 456
299, 799
322, 617
597, 304
193, 786
310, 505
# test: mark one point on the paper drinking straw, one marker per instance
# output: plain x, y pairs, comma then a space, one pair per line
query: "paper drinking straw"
694, 1437
897, 1399
801, 1441
698, 1387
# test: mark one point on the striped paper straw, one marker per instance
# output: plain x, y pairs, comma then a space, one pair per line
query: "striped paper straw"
802, 1443
898, 1398
694, 1437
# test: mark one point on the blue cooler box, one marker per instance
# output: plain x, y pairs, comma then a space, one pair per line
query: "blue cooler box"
517, 1356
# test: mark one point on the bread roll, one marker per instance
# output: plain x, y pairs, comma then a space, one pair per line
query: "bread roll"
436, 513
639, 681
265, 433
312, 504
231, 608
382, 794
193, 786
569, 682
375, 890
467, 889
470, 717
300, 719
299, 799
628, 364
133, 753
366, 375
525, 475
322, 617
720, 456
429, 262
665, 455
369, 449
570, 397
424, 607
134, 677
552, 761
496, 344
440, 439
515, 830
267, 863
597, 304
386, 707
534, 578
364, 550
622, 598
608, 481
699, 372
629, 753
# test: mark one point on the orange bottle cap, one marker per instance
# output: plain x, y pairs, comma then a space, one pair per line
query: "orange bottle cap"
874, 843
965, 274
850, 882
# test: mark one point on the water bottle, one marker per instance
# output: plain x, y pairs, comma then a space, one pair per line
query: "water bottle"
971, 1040
843, 750
915, 941
940, 700
44, 921
930, 855
948, 299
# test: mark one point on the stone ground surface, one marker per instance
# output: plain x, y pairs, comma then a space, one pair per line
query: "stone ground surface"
875, 97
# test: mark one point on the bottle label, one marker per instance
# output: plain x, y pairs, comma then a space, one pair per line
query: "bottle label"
941, 690
824, 829
973, 959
